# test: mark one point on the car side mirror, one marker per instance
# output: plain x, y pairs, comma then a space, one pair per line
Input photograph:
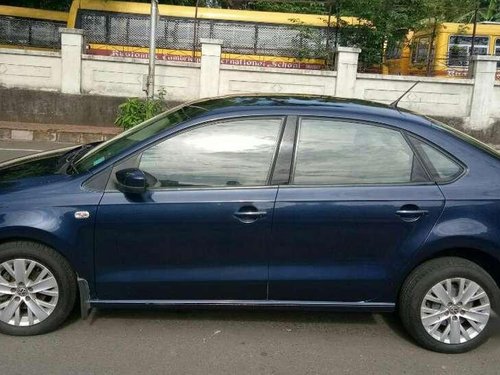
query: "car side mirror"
133, 180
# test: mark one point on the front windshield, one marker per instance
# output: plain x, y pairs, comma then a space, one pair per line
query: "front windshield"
136, 135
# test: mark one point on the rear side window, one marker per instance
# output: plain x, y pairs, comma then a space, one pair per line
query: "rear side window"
441, 167
334, 152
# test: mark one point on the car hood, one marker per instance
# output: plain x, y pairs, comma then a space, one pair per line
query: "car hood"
32, 170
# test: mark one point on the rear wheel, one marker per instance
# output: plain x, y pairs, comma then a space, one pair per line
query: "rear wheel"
446, 304
37, 288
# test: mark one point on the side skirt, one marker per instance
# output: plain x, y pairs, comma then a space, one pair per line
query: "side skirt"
323, 305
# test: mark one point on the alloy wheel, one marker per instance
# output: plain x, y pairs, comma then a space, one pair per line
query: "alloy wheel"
28, 292
455, 310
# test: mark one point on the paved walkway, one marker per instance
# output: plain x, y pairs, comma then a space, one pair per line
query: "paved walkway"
22, 131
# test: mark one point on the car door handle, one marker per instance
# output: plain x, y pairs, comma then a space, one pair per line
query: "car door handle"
411, 215
411, 212
249, 216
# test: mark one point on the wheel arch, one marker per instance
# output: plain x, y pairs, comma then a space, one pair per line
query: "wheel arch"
477, 255
39, 237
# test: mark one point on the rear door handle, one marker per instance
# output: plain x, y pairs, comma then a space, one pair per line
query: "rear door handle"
410, 215
411, 212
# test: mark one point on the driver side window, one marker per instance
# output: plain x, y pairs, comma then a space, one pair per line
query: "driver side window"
230, 153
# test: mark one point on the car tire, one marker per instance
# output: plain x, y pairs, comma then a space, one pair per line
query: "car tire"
45, 298
422, 302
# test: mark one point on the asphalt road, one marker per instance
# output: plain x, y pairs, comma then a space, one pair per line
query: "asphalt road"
231, 342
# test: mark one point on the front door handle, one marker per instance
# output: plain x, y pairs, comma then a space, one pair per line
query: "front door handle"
249, 214
411, 214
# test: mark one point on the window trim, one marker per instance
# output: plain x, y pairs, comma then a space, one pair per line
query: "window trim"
138, 155
415, 50
274, 159
282, 172
361, 122
407, 138
496, 50
427, 164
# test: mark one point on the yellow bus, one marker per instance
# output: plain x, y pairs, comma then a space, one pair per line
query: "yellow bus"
446, 50
250, 38
30, 28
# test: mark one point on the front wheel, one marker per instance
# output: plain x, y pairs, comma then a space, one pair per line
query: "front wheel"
446, 304
37, 289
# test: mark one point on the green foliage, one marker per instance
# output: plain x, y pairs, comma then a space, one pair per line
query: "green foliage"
311, 7
370, 41
137, 110
61, 5
488, 10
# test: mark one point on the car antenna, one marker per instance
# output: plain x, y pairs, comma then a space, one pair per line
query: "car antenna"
395, 103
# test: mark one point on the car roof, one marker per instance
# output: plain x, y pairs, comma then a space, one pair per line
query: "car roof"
252, 102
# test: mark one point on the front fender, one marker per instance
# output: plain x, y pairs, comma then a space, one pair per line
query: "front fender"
57, 228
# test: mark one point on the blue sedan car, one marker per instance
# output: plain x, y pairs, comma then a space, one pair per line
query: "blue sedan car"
266, 201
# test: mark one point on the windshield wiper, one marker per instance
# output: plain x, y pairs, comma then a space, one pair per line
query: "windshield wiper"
69, 162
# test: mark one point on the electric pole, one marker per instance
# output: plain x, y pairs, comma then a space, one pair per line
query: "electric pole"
150, 87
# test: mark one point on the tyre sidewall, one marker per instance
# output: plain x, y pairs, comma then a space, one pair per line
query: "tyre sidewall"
60, 269
426, 283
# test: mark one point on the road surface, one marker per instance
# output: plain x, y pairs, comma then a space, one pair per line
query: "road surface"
14, 149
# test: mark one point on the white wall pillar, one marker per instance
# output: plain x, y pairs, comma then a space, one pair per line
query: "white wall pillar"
71, 60
483, 69
346, 65
210, 67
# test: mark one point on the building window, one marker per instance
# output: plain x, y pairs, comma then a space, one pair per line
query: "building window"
497, 50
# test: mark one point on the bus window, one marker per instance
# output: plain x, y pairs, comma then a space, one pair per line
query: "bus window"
94, 25
240, 36
395, 51
44, 33
119, 32
459, 49
138, 31
421, 51
177, 33
273, 39
14, 30
29, 32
